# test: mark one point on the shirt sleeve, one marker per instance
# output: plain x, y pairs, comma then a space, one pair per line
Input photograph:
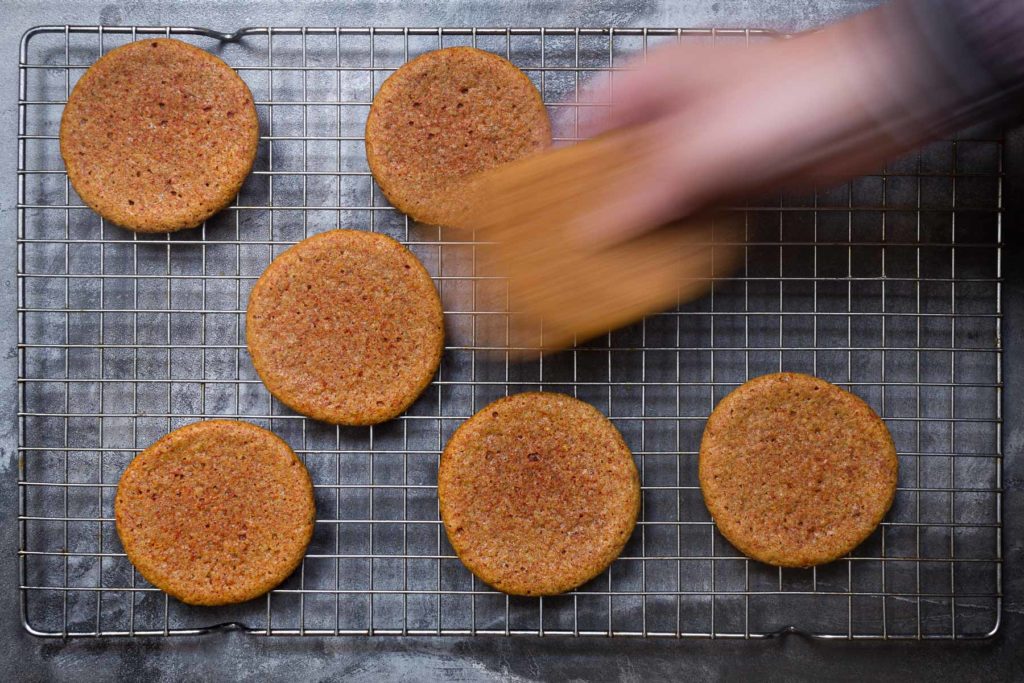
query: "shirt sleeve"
972, 51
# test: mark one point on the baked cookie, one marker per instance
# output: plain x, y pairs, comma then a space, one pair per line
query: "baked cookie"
346, 327
538, 493
444, 116
216, 512
158, 135
795, 471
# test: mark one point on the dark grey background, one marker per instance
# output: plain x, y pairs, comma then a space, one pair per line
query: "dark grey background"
236, 655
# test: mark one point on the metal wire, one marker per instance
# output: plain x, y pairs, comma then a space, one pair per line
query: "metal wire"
889, 286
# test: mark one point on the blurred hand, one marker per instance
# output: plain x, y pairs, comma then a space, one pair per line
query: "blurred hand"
725, 122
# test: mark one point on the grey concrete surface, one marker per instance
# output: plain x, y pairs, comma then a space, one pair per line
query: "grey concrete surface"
226, 656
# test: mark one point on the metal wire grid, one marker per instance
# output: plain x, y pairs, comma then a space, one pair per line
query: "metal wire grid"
889, 285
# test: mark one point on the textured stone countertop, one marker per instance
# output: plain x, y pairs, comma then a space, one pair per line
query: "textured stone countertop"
231, 655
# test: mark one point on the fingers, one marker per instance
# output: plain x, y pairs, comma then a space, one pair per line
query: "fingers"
643, 90
728, 122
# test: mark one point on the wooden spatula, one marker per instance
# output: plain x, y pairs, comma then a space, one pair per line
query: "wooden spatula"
529, 219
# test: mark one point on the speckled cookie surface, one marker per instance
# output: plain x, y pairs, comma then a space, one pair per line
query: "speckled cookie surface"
796, 471
346, 327
158, 135
216, 512
444, 116
538, 493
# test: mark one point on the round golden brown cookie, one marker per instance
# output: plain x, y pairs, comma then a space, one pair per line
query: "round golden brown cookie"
444, 116
538, 493
216, 512
158, 135
796, 471
346, 327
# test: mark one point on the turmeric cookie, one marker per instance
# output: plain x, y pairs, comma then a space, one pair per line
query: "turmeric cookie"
216, 512
444, 116
346, 327
796, 471
158, 135
538, 493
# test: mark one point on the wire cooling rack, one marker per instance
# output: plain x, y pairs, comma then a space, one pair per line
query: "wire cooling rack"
888, 285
